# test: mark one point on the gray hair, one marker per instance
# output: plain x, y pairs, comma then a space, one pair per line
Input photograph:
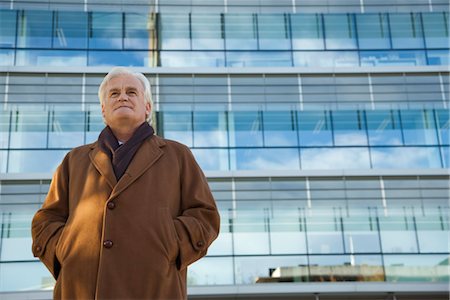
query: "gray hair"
118, 71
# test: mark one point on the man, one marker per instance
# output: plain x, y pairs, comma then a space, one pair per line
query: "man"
126, 215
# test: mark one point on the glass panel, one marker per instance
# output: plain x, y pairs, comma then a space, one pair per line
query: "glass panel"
279, 128
240, 31
19, 276
29, 129
16, 241
418, 127
373, 31
178, 126
406, 30
397, 234
70, 30
174, 31
326, 59
35, 29
324, 234
6, 57
35, 161
384, 127
436, 29
212, 159
417, 268
405, 157
273, 32
433, 232
105, 31
192, 59
210, 129
223, 244
94, 125
8, 28
287, 229
5, 117
211, 271
391, 58
335, 159
251, 270
245, 129
120, 58
259, 59
59, 58
307, 32
443, 123
139, 31
314, 128
264, 159
361, 234
438, 57
207, 32
339, 31
349, 128
250, 229
66, 129
3, 161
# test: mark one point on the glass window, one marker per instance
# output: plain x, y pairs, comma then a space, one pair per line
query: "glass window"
120, 58
6, 57
280, 128
373, 31
34, 161
212, 159
223, 245
443, 123
324, 234
445, 157
19, 276
307, 31
418, 127
106, 31
417, 268
406, 30
35, 29
8, 28
405, 157
335, 158
139, 31
281, 89
29, 129
5, 118
94, 124
339, 31
287, 228
192, 59
349, 128
178, 126
273, 32
3, 161
70, 30
210, 89
314, 128
361, 234
433, 232
250, 229
207, 32
211, 271
436, 29
210, 129
389, 58
174, 31
384, 127
264, 159
250, 270
240, 32
245, 129
397, 233
59, 58
259, 59
66, 129
326, 59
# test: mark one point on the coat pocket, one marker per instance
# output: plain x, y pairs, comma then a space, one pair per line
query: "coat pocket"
170, 235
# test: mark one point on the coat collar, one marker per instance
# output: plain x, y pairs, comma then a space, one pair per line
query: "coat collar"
149, 152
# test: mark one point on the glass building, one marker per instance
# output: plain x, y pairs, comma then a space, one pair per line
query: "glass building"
322, 126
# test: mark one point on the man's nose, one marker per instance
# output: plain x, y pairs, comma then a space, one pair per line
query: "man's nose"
123, 96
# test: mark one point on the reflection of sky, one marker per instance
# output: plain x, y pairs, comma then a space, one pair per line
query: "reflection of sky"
335, 158
264, 159
405, 157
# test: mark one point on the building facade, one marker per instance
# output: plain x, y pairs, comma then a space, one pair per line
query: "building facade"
322, 126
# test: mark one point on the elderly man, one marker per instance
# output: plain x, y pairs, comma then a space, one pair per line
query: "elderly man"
126, 215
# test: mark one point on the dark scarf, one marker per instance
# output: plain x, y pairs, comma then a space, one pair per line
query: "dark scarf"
122, 155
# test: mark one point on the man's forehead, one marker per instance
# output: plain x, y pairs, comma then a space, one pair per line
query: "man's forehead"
125, 80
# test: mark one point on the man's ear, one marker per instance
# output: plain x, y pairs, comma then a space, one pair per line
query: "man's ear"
148, 109
103, 110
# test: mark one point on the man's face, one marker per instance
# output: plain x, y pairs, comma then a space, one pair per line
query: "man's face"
124, 103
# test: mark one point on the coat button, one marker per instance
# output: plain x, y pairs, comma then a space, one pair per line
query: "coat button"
200, 244
107, 244
111, 205
38, 248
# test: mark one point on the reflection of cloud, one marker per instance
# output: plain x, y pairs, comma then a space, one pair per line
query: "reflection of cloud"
211, 159
192, 59
267, 159
350, 138
403, 157
338, 158
210, 138
61, 61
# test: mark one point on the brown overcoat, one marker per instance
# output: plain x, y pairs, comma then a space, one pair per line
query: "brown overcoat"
131, 239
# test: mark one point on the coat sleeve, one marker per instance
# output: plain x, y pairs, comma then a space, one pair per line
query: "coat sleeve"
49, 221
198, 225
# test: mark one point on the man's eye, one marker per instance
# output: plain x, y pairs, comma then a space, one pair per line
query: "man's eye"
114, 94
132, 93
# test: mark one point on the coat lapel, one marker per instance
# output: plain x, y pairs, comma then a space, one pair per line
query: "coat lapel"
103, 164
145, 157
